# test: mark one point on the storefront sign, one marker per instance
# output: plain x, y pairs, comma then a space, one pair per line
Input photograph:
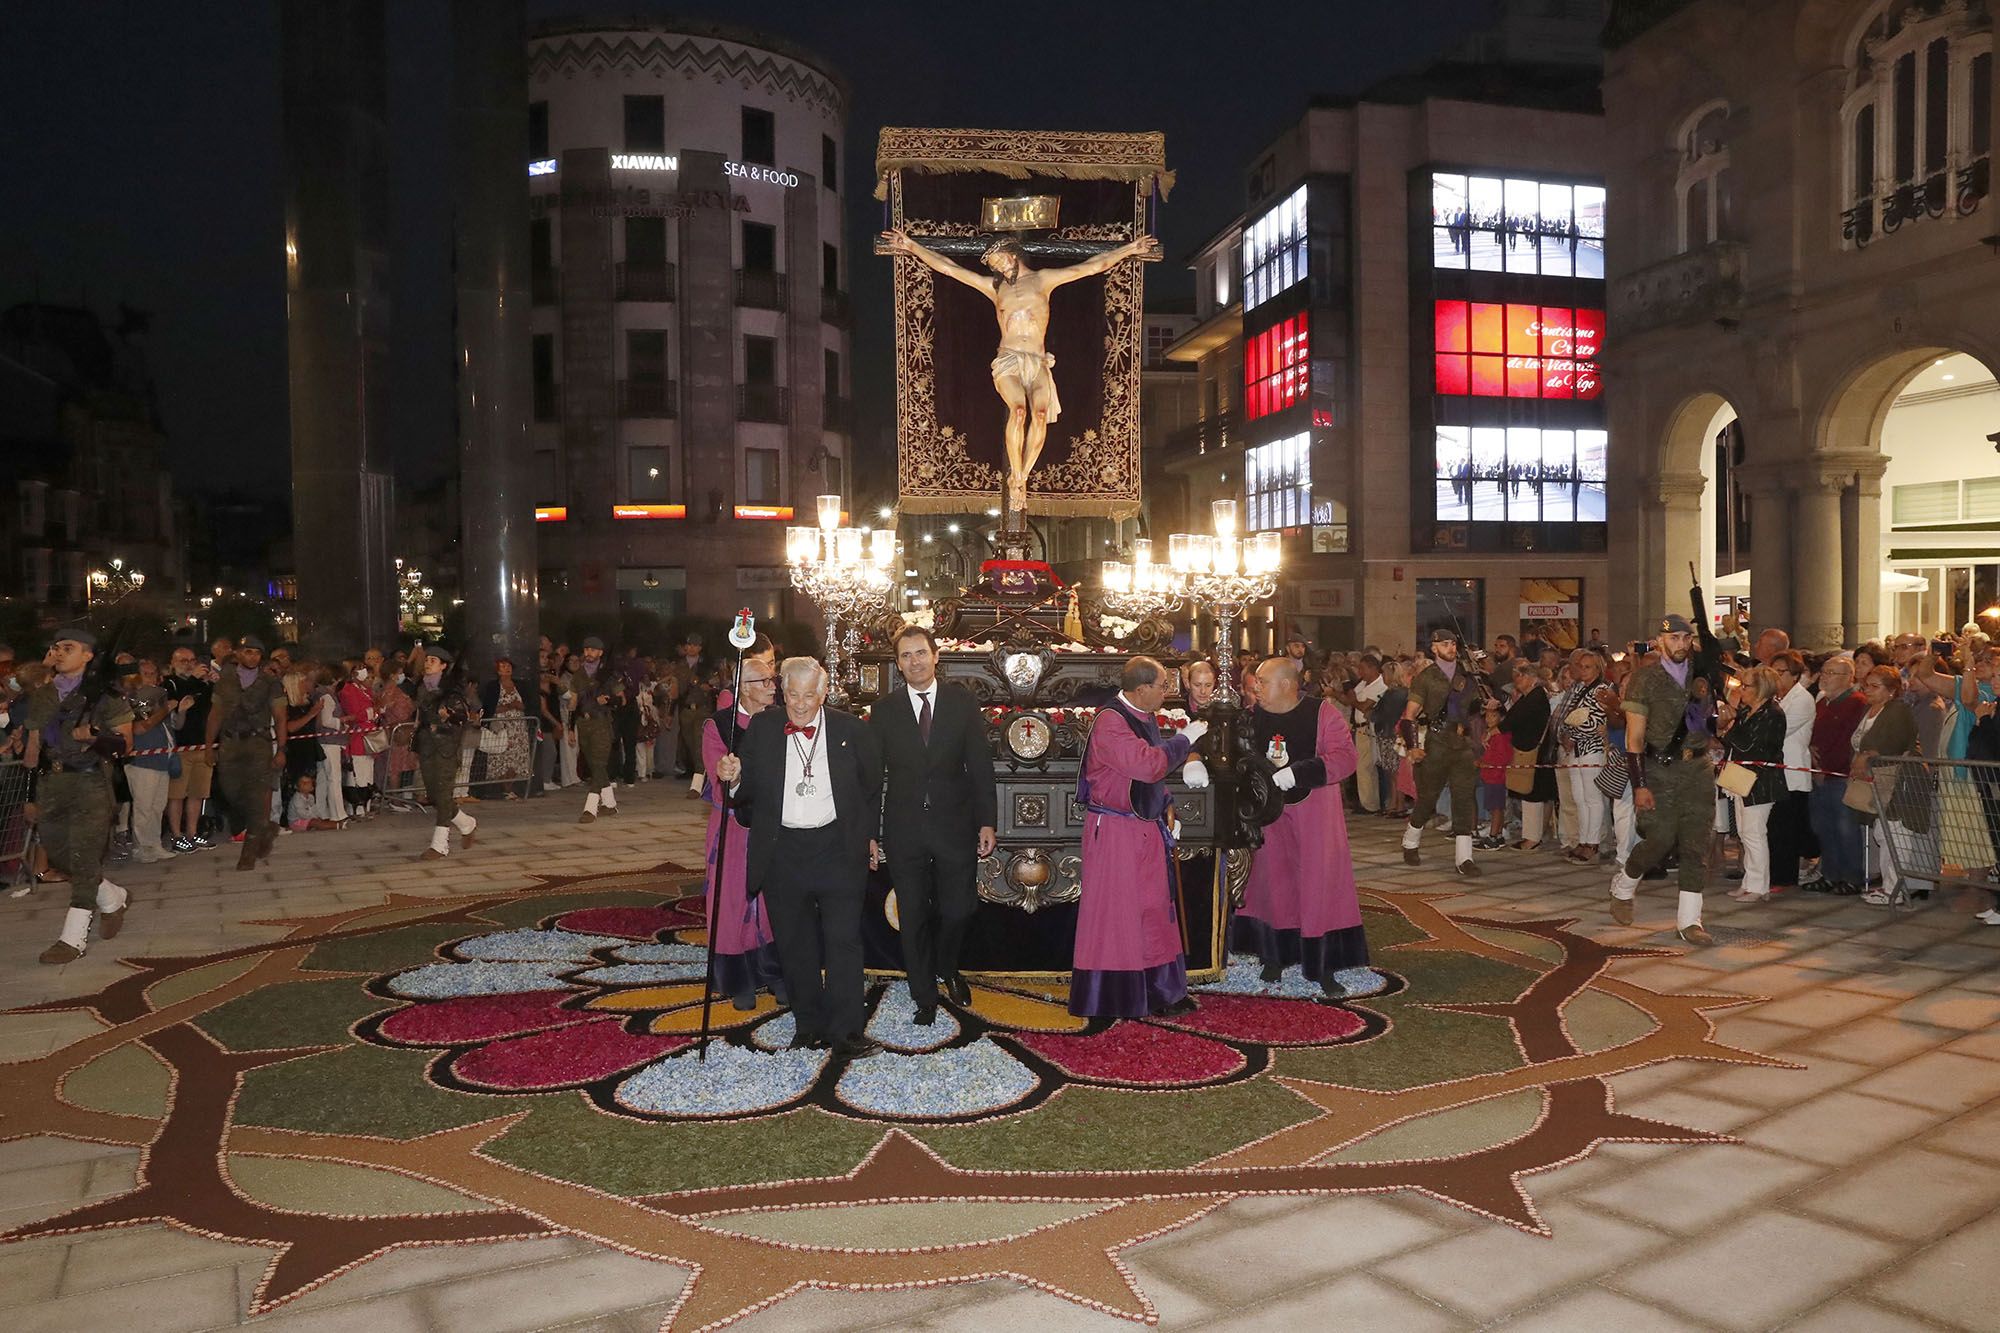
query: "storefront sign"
752, 172
1323, 597
645, 162
649, 511
545, 167
551, 514
1550, 611
777, 513
635, 201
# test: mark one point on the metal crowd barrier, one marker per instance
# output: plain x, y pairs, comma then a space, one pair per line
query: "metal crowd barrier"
17, 834
1940, 820
482, 761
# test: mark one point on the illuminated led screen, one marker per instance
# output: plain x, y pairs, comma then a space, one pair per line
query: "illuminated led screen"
1519, 474
1502, 225
1274, 250
1488, 350
1275, 370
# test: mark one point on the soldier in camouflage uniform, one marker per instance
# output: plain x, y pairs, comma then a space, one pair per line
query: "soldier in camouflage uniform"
246, 725
80, 728
1669, 728
443, 713
1446, 695
598, 691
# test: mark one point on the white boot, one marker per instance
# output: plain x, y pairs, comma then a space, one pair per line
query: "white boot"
609, 798
1462, 855
440, 843
1413, 834
1690, 910
110, 897
589, 809
75, 936
1623, 886
464, 823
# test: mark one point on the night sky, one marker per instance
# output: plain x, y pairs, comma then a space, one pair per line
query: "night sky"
144, 164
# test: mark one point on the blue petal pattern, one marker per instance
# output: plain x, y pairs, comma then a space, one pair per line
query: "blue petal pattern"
659, 953
892, 1025
1242, 977
527, 945
444, 981
774, 1034
968, 1080
641, 974
734, 1080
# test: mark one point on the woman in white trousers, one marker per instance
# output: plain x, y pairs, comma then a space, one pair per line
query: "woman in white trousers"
1752, 724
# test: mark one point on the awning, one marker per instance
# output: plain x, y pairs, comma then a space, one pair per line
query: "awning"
1893, 580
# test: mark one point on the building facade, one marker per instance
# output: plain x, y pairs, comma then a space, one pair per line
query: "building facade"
1805, 308
691, 327
1410, 392
89, 513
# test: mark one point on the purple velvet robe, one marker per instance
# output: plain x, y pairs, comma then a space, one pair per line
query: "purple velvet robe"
1129, 959
1300, 905
746, 959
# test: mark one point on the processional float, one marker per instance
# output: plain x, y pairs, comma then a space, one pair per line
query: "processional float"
1019, 342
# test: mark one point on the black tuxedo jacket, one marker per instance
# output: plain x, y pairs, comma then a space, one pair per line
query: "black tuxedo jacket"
945, 789
852, 763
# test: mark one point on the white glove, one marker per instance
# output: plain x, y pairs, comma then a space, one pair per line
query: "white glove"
1284, 779
1194, 731
1195, 774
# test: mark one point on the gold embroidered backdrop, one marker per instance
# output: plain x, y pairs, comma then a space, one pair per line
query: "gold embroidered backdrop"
950, 422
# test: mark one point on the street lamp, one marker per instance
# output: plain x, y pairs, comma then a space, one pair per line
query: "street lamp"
1225, 573
845, 572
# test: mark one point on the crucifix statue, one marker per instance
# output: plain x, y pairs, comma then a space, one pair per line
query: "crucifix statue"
1023, 370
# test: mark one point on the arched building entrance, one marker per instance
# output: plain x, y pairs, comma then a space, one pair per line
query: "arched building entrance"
1823, 297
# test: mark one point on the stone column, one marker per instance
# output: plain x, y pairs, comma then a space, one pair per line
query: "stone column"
336, 144
1861, 548
1771, 535
489, 128
1820, 573
1671, 542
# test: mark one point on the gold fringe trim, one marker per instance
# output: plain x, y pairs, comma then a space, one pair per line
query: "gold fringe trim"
1068, 155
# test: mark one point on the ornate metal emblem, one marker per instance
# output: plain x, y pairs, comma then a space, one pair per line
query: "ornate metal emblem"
1028, 736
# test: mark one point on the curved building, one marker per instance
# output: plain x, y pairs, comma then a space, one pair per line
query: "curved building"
691, 321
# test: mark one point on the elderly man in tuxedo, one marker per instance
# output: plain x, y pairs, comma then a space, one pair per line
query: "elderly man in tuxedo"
807, 781
938, 816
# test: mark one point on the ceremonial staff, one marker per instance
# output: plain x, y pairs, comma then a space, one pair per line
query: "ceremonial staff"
741, 635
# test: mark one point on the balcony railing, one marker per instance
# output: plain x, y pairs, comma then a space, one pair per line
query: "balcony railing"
763, 402
648, 282
837, 414
548, 401
542, 286
648, 398
760, 290
1959, 191
1704, 284
836, 309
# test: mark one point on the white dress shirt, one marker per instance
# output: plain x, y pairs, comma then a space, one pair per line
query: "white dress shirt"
1800, 711
816, 810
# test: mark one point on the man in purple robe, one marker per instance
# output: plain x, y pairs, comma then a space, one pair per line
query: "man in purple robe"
1299, 905
1130, 960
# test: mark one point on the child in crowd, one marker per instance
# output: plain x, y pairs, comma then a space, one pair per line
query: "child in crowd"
299, 808
1493, 762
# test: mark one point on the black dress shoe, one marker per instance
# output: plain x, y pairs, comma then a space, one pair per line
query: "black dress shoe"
925, 1016
1272, 972
856, 1048
1184, 1005
957, 990
1331, 991
806, 1041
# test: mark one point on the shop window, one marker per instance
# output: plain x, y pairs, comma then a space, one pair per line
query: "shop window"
1918, 504
1277, 483
1495, 225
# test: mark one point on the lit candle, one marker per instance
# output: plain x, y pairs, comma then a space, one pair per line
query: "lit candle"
1224, 514
1117, 576
884, 547
1201, 552
801, 544
1142, 553
1226, 552
847, 544
829, 512
1270, 553
1179, 551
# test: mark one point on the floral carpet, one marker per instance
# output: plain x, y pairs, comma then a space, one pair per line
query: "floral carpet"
526, 1064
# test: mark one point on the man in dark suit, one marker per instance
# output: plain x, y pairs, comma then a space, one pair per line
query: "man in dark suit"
938, 815
807, 781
